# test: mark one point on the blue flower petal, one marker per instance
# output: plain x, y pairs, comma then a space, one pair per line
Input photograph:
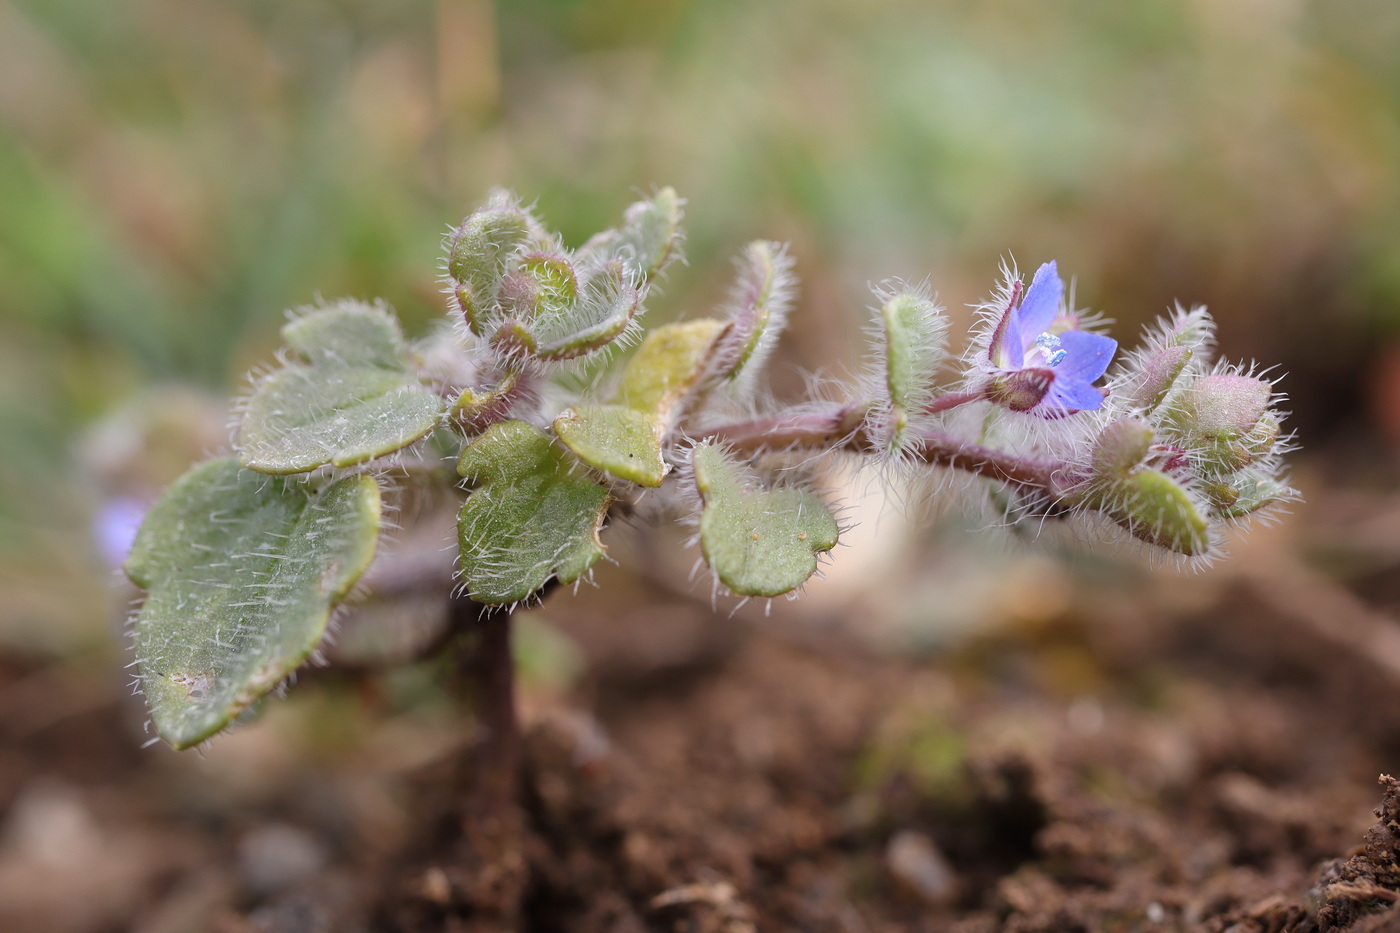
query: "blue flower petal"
1011, 343
1041, 304
1073, 395
1086, 355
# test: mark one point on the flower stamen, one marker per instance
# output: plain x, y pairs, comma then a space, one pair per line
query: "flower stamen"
1050, 344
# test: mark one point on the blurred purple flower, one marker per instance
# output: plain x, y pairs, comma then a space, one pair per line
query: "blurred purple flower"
114, 527
1041, 361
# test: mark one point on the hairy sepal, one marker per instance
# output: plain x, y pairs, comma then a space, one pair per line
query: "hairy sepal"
1156, 507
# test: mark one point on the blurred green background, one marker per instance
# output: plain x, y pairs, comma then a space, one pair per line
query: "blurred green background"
174, 174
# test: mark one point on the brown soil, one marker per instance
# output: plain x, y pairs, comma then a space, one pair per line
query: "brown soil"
1115, 767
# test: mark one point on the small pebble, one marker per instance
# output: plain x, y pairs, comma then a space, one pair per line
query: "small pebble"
277, 856
920, 868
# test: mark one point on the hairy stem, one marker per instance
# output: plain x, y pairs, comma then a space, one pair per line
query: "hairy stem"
951, 400
839, 424
941, 450
842, 427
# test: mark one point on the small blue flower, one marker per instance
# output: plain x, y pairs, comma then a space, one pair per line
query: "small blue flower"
114, 527
1040, 360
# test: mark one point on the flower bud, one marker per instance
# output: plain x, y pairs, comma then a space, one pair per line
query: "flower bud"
1224, 419
1121, 448
1157, 374
1224, 405
478, 253
1254, 493
1156, 509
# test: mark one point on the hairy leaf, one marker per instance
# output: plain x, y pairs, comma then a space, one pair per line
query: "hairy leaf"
530, 517
647, 241
758, 541
624, 440
619, 441
758, 306
668, 365
352, 396
242, 572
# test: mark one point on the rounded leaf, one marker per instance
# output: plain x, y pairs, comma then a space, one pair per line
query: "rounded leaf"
242, 572
621, 442
531, 516
758, 541
352, 396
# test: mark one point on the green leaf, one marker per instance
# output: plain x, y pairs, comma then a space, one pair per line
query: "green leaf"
911, 329
530, 517
625, 440
648, 240
668, 365
758, 541
758, 306
348, 333
620, 441
1156, 509
242, 572
352, 396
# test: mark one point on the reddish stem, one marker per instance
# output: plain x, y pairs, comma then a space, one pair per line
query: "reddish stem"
489, 672
841, 427
838, 424
951, 400
941, 450
491, 873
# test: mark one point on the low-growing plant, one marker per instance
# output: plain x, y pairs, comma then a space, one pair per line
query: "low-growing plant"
246, 558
